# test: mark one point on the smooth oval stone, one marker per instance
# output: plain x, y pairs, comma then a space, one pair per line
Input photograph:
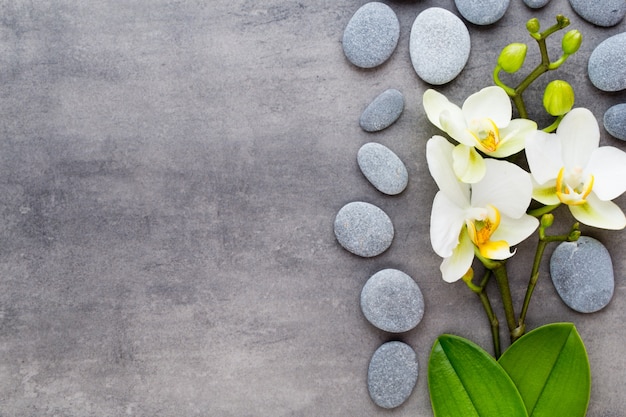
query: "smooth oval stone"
371, 35
392, 374
392, 301
383, 111
607, 64
363, 229
536, 4
582, 273
600, 12
382, 168
482, 12
615, 121
439, 45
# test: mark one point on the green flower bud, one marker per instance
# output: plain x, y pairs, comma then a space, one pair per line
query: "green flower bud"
512, 57
571, 41
533, 25
558, 98
547, 220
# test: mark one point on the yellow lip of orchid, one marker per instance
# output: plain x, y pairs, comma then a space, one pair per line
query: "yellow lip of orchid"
486, 133
481, 228
573, 191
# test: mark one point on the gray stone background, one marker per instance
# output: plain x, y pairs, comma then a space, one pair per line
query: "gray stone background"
169, 176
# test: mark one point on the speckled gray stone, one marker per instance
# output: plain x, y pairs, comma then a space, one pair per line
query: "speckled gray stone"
382, 168
392, 301
482, 12
615, 121
536, 4
600, 12
439, 45
607, 64
392, 374
363, 229
582, 273
371, 35
383, 111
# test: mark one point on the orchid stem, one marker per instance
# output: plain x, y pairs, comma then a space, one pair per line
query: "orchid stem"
493, 319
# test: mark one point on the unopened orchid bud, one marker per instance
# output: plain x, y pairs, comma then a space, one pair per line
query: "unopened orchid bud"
558, 98
512, 57
547, 220
571, 41
533, 25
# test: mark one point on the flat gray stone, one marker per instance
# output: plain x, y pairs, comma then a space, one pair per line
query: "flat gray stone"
392, 374
363, 229
536, 4
371, 35
615, 121
607, 64
382, 168
582, 273
482, 12
383, 111
439, 45
392, 301
604, 13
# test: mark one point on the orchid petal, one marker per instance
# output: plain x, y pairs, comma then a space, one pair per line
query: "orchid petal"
468, 165
513, 137
580, 136
439, 158
514, 231
543, 152
505, 186
435, 104
498, 250
490, 102
598, 213
454, 267
546, 193
446, 223
453, 123
608, 167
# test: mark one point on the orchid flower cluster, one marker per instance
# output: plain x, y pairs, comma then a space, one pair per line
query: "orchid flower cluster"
482, 207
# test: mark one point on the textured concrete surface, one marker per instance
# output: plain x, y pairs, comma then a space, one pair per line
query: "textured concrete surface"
169, 175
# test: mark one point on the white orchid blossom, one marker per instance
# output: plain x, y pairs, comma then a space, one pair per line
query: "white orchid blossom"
489, 215
483, 124
569, 167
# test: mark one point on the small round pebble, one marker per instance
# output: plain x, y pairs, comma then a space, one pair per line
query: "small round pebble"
371, 35
392, 301
439, 45
615, 121
392, 374
604, 13
607, 64
383, 111
536, 4
363, 229
582, 273
482, 12
382, 168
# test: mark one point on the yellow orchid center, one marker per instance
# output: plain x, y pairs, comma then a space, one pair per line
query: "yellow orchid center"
486, 134
481, 225
572, 187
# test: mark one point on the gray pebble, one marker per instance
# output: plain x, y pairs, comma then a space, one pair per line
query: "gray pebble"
363, 229
536, 4
439, 45
615, 121
600, 12
392, 374
607, 64
383, 111
392, 301
382, 168
482, 12
371, 35
582, 273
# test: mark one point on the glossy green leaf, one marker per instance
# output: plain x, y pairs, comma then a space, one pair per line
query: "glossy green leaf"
466, 381
550, 368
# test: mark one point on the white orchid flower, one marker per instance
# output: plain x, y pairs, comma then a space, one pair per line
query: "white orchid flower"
569, 167
483, 124
489, 215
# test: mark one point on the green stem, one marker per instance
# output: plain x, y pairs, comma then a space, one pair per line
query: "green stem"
553, 126
543, 210
493, 319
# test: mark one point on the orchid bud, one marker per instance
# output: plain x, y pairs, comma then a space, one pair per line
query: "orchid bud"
533, 25
558, 98
512, 57
547, 220
571, 41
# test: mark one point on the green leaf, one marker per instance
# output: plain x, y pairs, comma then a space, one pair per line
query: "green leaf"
550, 368
466, 381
